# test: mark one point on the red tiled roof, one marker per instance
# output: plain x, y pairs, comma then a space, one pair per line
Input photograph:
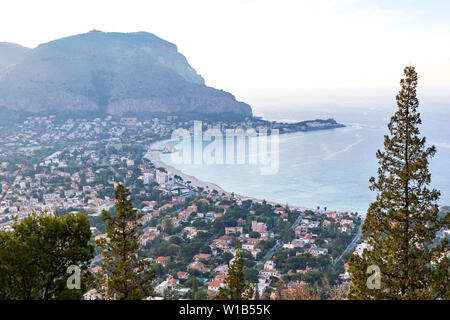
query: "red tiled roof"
161, 259
215, 283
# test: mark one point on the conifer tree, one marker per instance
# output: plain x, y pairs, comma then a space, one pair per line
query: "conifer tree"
401, 224
257, 296
125, 274
36, 255
194, 287
235, 286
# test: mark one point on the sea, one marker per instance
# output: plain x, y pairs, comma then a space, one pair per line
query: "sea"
326, 168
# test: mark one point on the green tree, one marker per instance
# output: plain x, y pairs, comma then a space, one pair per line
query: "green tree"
167, 226
287, 234
254, 234
251, 274
125, 274
401, 224
257, 297
235, 286
200, 295
36, 255
226, 257
171, 294
194, 287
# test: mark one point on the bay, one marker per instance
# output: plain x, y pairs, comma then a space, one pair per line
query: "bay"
329, 168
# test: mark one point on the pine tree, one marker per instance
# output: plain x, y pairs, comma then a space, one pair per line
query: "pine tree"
194, 287
36, 255
235, 286
257, 296
125, 275
401, 224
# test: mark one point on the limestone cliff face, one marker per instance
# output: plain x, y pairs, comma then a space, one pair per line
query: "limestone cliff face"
116, 73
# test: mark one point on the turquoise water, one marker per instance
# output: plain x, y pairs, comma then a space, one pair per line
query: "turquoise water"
326, 168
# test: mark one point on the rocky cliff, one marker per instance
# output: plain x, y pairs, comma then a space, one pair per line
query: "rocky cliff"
112, 73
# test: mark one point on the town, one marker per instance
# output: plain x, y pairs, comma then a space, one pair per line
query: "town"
188, 232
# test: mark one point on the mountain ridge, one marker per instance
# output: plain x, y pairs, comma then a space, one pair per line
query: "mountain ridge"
11, 52
112, 73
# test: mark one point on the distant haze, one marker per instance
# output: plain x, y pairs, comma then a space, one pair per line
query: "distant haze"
318, 50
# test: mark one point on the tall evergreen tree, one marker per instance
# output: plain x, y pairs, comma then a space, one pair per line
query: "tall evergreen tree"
125, 274
235, 286
35, 257
401, 224
194, 288
257, 296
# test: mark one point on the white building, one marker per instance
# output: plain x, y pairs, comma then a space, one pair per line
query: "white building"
269, 264
161, 177
92, 294
360, 248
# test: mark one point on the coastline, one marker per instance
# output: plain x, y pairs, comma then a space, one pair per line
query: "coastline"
153, 154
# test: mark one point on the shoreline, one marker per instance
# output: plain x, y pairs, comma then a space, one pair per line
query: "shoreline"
153, 154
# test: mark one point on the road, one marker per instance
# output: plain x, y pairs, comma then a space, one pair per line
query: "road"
297, 221
352, 244
279, 242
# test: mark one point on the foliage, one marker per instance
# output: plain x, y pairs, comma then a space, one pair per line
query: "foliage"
300, 291
35, 256
125, 275
235, 286
402, 223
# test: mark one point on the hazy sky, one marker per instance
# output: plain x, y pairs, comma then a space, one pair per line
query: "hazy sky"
254, 48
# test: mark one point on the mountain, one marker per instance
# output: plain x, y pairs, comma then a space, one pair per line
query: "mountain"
111, 73
10, 52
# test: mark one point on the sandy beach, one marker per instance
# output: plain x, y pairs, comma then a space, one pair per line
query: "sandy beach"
153, 155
